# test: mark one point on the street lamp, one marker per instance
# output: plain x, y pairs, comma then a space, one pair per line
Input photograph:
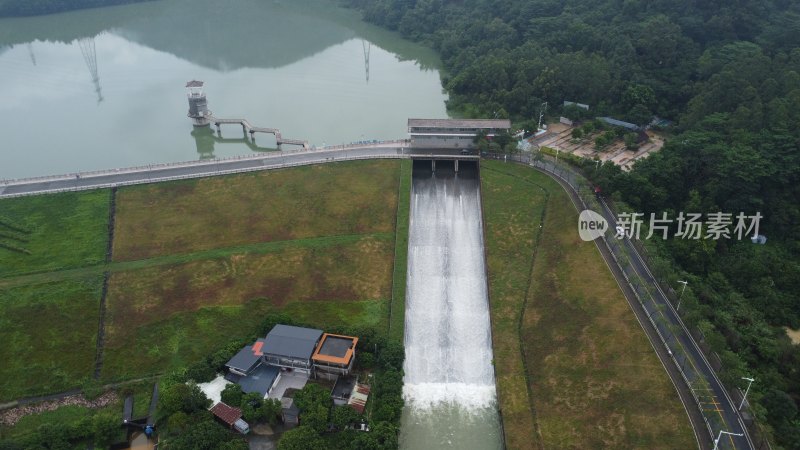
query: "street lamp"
716, 441
684, 283
749, 382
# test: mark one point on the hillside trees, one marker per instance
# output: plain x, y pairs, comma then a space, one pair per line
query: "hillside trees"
727, 74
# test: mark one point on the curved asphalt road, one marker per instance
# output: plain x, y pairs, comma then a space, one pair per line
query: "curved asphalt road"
702, 379
676, 334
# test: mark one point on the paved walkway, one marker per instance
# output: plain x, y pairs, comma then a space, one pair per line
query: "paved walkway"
198, 169
288, 381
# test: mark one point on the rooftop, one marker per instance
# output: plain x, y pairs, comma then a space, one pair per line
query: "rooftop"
247, 358
260, 380
287, 405
358, 397
194, 84
336, 349
459, 123
619, 123
343, 387
291, 342
227, 414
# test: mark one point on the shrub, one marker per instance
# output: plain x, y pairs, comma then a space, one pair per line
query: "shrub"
232, 394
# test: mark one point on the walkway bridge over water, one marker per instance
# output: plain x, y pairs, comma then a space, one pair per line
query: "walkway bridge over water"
248, 128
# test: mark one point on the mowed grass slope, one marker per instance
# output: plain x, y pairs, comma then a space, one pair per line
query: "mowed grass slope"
48, 328
320, 200
594, 378
53, 232
513, 213
48, 334
333, 230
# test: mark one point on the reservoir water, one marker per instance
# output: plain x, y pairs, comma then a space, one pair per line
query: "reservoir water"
104, 88
449, 384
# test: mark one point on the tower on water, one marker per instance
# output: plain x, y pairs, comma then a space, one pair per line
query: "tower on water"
198, 106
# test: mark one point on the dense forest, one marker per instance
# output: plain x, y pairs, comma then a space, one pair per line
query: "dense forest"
727, 73
17, 8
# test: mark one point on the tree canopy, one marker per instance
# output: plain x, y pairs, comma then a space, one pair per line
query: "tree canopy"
727, 74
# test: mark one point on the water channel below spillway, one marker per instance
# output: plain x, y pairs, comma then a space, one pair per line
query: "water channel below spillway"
449, 380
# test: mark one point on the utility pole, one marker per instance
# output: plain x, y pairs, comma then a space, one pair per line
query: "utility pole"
684, 283
90, 58
716, 441
749, 383
366, 46
542, 110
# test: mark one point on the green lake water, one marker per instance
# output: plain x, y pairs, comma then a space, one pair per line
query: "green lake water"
312, 70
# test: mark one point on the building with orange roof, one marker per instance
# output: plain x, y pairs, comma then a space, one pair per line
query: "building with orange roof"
335, 354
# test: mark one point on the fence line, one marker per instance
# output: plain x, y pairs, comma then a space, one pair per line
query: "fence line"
219, 171
150, 167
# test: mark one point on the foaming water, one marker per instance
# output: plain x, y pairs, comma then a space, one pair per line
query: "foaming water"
449, 384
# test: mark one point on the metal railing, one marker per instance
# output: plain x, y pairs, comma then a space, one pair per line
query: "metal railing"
216, 167
158, 166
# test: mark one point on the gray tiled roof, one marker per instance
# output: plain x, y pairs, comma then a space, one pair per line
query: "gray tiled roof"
292, 342
259, 380
244, 361
460, 123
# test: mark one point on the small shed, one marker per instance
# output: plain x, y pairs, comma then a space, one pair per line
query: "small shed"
359, 397
342, 390
290, 413
230, 416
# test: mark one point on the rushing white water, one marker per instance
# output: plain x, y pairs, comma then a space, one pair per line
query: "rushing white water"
449, 380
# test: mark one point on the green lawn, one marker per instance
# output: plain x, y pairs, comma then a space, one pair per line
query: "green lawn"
591, 378
48, 334
53, 232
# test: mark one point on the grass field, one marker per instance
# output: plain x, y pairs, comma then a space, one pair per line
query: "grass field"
593, 379
53, 232
163, 317
48, 334
317, 242
318, 200
398, 305
513, 212
196, 264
